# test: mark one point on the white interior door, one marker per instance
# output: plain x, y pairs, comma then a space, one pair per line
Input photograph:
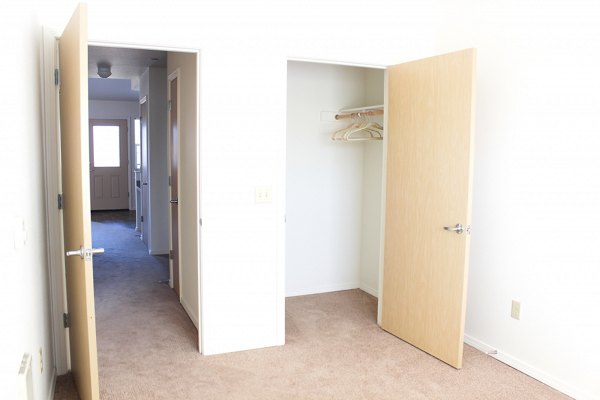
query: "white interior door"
109, 164
429, 164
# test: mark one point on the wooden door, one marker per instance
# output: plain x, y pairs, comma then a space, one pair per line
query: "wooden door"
76, 192
144, 219
429, 164
109, 164
174, 136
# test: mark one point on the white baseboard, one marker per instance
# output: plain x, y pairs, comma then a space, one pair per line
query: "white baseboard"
189, 313
530, 370
52, 386
370, 290
159, 252
322, 289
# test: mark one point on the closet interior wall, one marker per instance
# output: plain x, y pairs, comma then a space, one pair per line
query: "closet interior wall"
333, 195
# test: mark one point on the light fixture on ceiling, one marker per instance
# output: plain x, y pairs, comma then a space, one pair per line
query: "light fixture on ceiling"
104, 70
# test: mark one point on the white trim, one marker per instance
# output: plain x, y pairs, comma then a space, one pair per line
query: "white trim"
322, 289
345, 63
52, 386
190, 315
53, 186
383, 199
175, 75
528, 369
372, 291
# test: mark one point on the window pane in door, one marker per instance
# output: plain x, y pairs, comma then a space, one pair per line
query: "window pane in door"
106, 146
138, 144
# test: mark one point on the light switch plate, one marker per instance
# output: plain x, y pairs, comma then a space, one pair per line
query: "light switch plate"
263, 194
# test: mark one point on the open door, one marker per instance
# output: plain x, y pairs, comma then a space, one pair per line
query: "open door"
428, 202
76, 193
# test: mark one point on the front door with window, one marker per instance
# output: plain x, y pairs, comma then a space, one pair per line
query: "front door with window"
108, 164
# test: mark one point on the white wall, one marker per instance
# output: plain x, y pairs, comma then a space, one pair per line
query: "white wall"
535, 167
128, 110
189, 254
153, 84
536, 185
324, 180
24, 298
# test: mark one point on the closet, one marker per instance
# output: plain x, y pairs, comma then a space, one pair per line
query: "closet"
386, 211
333, 211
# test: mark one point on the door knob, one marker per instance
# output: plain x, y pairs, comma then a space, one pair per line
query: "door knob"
458, 228
85, 254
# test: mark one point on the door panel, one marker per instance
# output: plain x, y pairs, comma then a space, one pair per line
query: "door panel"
174, 134
430, 127
109, 164
144, 171
76, 192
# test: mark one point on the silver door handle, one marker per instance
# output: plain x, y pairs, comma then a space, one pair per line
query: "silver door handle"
458, 228
176, 201
85, 254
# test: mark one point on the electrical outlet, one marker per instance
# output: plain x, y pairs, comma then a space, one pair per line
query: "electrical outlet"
515, 310
41, 361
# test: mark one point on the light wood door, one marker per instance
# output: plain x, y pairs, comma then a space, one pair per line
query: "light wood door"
109, 164
429, 163
76, 192
144, 219
174, 144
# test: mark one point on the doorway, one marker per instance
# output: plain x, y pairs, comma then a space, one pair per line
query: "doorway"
190, 297
109, 164
422, 242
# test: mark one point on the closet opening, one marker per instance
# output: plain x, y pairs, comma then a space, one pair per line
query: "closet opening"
334, 189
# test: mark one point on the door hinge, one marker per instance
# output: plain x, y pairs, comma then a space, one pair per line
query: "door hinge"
169, 180
141, 218
66, 320
169, 105
170, 254
56, 76
60, 201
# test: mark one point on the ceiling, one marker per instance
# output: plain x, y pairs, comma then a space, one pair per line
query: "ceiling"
127, 65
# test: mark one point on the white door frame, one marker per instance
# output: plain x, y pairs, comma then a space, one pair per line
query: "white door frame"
53, 187
174, 75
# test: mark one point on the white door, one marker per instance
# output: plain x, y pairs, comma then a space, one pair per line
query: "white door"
429, 164
109, 164
76, 215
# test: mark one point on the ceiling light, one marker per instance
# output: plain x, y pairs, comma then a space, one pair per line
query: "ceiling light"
104, 70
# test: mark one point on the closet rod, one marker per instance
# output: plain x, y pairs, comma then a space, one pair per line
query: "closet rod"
359, 114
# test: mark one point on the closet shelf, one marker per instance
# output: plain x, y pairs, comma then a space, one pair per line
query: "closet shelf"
359, 109
360, 112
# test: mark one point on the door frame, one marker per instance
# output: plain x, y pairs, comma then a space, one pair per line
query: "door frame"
53, 187
384, 167
174, 75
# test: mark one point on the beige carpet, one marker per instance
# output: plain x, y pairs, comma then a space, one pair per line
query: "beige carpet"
334, 350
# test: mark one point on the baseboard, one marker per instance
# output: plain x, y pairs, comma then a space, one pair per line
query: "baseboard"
528, 369
189, 313
52, 386
370, 290
160, 252
322, 289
